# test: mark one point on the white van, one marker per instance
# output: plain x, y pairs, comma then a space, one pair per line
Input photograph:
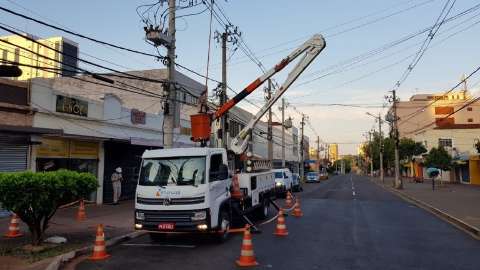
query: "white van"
283, 181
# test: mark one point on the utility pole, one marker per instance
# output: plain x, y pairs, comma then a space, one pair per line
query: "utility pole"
172, 118
283, 133
382, 177
302, 144
318, 149
398, 180
225, 37
270, 129
371, 152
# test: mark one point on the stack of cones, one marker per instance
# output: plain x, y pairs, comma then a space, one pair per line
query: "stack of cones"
236, 192
247, 258
297, 212
99, 249
289, 201
13, 228
81, 214
281, 229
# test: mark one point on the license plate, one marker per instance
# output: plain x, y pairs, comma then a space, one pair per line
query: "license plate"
166, 226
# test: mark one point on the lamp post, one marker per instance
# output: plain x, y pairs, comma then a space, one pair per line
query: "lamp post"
379, 119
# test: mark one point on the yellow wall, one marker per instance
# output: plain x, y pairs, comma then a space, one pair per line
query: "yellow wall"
28, 58
474, 169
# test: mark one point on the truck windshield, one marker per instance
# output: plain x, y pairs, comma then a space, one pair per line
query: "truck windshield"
172, 171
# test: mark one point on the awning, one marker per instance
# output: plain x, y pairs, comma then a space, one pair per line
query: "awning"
29, 130
146, 142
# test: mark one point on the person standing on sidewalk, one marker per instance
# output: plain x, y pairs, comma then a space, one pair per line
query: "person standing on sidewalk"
117, 184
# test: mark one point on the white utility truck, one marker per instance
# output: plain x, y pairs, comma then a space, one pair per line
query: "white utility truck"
193, 190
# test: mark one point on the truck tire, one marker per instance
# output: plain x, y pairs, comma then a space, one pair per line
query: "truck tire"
263, 210
157, 237
223, 227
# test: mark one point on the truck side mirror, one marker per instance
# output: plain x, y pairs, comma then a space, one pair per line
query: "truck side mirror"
222, 172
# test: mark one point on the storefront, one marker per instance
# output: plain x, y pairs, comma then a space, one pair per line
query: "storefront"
64, 153
128, 157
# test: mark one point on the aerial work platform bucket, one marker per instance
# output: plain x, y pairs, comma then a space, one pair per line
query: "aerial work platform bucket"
201, 127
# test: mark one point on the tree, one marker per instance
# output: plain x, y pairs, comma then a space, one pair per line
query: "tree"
438, 158
408, 148
35, 197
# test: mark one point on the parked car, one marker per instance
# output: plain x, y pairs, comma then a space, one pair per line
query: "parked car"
296, 182
283, 181
312, 177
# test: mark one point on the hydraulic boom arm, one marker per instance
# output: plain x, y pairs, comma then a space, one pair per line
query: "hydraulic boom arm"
311, 48
201, 123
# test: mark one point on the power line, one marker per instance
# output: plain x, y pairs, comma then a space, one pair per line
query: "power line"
410, 116
436, 26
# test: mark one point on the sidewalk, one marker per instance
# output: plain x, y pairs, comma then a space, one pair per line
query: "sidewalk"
117, 220
457, 200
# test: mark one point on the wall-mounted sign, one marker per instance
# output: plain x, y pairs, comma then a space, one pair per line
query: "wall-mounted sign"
138, 117
72, 106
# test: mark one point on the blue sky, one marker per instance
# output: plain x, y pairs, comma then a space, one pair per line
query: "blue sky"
283, 25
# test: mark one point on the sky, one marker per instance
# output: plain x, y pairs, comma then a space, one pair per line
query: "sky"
271, 30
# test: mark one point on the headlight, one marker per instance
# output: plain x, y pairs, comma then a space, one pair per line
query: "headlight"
140, 215
199, 215
278, 184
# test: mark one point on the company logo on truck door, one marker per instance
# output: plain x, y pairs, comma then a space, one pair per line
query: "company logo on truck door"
167, 193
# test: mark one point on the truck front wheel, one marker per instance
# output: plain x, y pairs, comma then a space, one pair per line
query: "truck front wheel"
223, 227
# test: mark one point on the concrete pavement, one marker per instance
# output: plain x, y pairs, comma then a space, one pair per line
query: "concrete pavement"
117, 220
458, 200
349, 223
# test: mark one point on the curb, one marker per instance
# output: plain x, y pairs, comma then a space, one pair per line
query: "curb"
460, 224
60, 260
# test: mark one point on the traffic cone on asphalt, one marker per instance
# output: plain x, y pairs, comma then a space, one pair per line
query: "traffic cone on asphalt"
81, 214
13, 228
288, 201
281, 229
236, 192
247, 258
297, 212
99, 249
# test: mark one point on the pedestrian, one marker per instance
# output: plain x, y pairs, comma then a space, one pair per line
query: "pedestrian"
117, 184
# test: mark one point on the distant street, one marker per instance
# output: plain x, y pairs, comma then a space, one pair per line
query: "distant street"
348, 223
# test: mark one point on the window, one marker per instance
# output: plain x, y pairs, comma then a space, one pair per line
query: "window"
470, 120
235, 128
4, 55
215, 161
469, 109
444, 142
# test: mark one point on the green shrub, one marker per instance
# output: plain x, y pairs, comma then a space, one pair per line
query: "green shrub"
35, 197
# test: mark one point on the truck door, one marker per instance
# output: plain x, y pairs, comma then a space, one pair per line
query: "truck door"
218, 188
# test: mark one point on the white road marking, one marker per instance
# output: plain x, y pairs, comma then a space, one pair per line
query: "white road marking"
353, 187
158, 245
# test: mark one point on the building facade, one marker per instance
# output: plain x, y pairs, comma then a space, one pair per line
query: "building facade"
333, 152
437, 120
105, 127
57, 56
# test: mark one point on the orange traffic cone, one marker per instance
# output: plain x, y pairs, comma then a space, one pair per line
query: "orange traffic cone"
99, 249
236, 192
281, 229
288, 201
13, 228
247, 258
81, 214
297, 212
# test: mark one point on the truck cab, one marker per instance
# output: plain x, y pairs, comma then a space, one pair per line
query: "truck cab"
183, 190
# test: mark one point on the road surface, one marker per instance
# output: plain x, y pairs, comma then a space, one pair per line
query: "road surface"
348, 223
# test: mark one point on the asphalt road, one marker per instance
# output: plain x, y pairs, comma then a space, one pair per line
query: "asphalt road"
348, 223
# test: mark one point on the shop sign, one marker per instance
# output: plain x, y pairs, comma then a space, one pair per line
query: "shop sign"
71, 106
137, 117
53, 148
83, 149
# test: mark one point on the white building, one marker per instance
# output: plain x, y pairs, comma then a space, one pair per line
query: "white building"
105, 127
